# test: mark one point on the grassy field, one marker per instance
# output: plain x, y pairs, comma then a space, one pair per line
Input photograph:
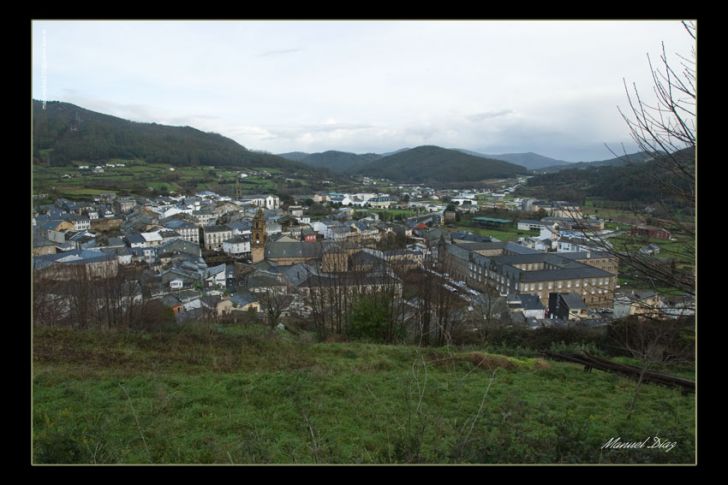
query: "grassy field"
390, 214
209, 394
508, 234
141, 178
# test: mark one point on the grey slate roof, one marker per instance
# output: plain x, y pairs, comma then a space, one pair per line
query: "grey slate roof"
278, 250
531, 302
573, 301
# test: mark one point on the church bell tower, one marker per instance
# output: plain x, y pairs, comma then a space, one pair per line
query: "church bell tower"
258, 236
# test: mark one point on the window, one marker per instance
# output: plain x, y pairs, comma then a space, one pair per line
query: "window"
551, 285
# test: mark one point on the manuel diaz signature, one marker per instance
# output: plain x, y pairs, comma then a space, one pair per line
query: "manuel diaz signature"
651, 442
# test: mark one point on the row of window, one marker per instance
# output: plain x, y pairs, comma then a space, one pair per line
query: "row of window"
561, 284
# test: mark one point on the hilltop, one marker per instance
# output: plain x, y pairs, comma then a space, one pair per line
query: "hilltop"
628, 159
435, 164
529, 160
336, 161
63, 132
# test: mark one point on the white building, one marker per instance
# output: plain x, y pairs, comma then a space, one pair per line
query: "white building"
237, 246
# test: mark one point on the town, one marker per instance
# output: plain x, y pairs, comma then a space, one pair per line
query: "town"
265, 257
380, 242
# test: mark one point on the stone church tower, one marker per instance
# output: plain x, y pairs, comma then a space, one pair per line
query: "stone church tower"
258, 236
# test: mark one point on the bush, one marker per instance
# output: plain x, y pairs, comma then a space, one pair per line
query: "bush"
369, 321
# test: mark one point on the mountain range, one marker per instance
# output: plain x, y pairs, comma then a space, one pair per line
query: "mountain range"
63, 132
530, 160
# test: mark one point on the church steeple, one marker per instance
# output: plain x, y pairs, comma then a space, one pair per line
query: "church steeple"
258, 237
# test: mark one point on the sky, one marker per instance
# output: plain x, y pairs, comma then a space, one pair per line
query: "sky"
363, 86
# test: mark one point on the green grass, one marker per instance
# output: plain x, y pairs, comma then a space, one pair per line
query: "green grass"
138, 177
207, 394
509, 234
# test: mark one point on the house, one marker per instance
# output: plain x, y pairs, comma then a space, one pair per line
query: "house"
186, 230
382, 202
529, 225
309, 235
567, 306
80, 223
241, 227
151, 239
651, 232
645, 303
123, 205
532, 307
216, 276
244, 301
122, 254
204, 217
178, 249
270, 202
218, 305
213, 236
237, 246
135, 240
650, 250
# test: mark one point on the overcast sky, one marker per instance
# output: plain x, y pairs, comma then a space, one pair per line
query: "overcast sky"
376, 86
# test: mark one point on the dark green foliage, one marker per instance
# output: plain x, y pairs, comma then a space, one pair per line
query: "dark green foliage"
637, 184
369, 320
57, 447
435, 164
71, 133
633, 158
340, 162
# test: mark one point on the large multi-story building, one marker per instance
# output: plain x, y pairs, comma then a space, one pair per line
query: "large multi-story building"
593, 276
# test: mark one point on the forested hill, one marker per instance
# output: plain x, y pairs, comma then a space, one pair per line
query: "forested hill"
629, 159
435, 164
336, 161
647, 182
63, 132
529, 160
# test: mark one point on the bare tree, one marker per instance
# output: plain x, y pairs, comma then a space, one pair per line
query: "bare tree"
665, 126
273, 303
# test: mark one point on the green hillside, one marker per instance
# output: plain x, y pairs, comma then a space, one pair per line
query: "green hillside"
63, 133
233, 394
624, 160
435, 164
340, 162
529, 160
638, 183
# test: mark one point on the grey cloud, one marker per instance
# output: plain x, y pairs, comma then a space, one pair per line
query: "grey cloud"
488, 115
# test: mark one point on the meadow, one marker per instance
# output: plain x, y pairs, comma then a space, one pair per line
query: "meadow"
208, 393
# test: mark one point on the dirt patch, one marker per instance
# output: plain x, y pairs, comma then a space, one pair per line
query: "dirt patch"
476, 359
489, 362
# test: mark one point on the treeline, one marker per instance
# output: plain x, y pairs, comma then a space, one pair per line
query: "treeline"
80, 300
63, 133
